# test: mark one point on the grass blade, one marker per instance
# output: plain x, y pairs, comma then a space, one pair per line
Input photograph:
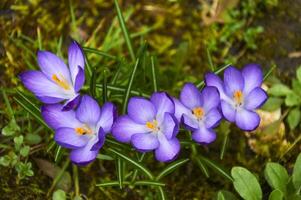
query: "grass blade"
171, 167
92, 88
120, 172
125, 31
120, 89
154, 77
162, 193
269, 72
210, 60
203, 168
99, 52
104, 87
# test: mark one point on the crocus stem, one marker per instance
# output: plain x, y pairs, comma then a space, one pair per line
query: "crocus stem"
75, 178
58, 177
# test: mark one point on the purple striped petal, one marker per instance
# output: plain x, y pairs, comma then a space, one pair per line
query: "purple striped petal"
163, 103
71, 103
180, 109
228, 111
88, 111
125, 127
49, 100
252, 76
247, 120
76, 61
145, 141
204, 135
189, 122
213, 117
213, 80
68, 138
107, 116
46, 90
56, 118
211, 98
79, 80
141, 110
190, 96
168, 149
100, 140
233, 80
256, 98
170, 126
51, 65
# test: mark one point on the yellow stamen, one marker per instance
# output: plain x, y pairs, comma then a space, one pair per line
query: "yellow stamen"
198, 112
152, 125
61, 82
83, 131
238, 96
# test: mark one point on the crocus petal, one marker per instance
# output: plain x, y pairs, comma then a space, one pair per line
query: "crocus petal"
49, 100
233, 80
212, 118
211, 98
107, 116
247, 120
141, 110
190, 96
252, 76
125, 127
68, 138
203, 135
170, 126
145, 141
39, 84
100, 140
228, 111
190, 122
180, 109
79, 79
51, 65
88, 111
71, 103
76, 60
163, 103
168, 149
255, 98
56, 118
84, 155
213, 80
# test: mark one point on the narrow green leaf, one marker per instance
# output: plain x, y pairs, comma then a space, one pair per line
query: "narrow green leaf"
120, 172
276, 195
104, 157
276, 175
99, 52
8, 106
104, 87
203, 168
246, 184
58, 153
269, 72
297, 173
171, 167
39, 38
216, 167
225, 195
162, 193
122, 90
112, 183
133, 162
154, 76
129, 87
125, 31
210, 60
137, 183
89, 68
149, 183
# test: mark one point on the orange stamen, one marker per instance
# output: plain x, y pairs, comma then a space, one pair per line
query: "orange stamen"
83, 131
152, 125
61, 82
238, 96
198, 112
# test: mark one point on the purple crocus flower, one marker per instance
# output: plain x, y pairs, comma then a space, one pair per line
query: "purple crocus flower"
150, 125
198, 111
82, 130
56, 82
241, 94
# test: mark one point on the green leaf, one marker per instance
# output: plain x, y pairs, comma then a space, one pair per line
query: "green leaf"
298, 74
24, 151
296, 86
125, 31
292, 99
18, 142
11, 129
154, 77
225, 195
246, 184
31, 138
276, 195
272, 104
99, 52
5, 160
295, 197
120, 89
293, 118
171, 167
297, 173
59, 195
276, 175
279, 90
120, 174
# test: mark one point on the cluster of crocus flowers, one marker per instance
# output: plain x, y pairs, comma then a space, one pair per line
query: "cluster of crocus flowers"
81, 125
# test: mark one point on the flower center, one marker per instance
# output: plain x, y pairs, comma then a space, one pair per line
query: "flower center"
238, 97
198, 112
83, 130
153, 126
61, 82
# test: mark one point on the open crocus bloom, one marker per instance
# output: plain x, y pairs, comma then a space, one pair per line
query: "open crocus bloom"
82, 130
56, 82
198, 111
241, 94
150, 125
